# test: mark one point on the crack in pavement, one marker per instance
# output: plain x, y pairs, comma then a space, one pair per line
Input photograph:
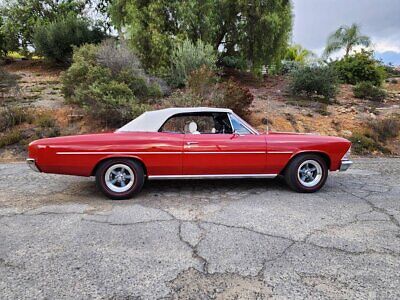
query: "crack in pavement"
373, 206
126, 224
194, 249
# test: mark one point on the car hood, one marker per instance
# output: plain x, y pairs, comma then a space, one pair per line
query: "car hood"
308, 136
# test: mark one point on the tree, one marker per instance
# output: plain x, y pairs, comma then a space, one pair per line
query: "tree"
3, 43
257, 31
55, 40
21, 16
298, 54
346, 38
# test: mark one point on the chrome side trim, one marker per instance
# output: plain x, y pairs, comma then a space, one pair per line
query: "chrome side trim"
279, 152
115, 152
32, 164
225, 152
222, 176
344, 165
185, 152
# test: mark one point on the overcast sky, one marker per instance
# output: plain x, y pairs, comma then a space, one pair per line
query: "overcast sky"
314, 20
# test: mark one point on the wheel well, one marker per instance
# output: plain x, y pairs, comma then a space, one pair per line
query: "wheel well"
324, 156
111, 158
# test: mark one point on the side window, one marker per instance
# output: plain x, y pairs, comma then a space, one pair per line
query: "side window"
238, 126
198, 123
175, 124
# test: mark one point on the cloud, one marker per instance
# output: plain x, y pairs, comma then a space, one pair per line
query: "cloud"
386, 45
314, 20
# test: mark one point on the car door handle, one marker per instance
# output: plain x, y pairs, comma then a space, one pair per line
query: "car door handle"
191, 143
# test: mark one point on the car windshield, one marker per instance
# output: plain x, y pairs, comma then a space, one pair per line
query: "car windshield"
241, 126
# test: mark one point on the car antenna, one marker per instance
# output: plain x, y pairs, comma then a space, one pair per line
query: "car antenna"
267, 117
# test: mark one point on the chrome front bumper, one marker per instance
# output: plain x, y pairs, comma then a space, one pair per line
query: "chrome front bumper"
345, 164
32, 164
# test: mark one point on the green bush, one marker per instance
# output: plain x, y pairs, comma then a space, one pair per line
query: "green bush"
55, 40
375, 137
188, 57
387, 128
366, 90
3, 41
314, 80
111, 92
11, 117
361, 66
234, 62
45, 120
287, 67
364, 144
10, 138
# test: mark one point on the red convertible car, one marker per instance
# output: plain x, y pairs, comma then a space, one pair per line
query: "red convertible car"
187, 143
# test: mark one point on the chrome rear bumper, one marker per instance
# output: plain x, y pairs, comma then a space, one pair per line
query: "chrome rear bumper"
345, 164
32, 164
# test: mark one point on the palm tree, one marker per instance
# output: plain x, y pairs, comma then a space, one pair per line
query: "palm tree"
298, 53
346, 38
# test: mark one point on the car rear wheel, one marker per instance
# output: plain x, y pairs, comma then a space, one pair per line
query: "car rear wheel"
306, 173
120, 178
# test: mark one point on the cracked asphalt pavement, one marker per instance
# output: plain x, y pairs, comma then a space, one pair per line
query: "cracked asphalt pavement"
240, 239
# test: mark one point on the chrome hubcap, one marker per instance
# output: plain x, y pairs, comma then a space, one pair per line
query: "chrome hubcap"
309, 173
119, 178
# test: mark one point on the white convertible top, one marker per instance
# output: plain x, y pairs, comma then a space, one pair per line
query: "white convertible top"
151, 121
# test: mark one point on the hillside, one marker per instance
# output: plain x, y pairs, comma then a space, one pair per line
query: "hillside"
38, 92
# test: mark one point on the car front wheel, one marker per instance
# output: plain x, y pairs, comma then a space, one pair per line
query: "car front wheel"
306, 173
120, 178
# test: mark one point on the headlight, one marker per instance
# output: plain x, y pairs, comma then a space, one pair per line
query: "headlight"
347, 155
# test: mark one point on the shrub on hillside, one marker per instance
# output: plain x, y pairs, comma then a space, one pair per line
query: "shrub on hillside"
233, 62
8, 81
236, 97
118, 58
314, 80
111, 93
228, 94
288, 67
363, 144
180, 98
375, 137
387, 128
366, 90
45, 120
202, 81
11, 117
188, 57
10, 137
55, 40
360, 67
